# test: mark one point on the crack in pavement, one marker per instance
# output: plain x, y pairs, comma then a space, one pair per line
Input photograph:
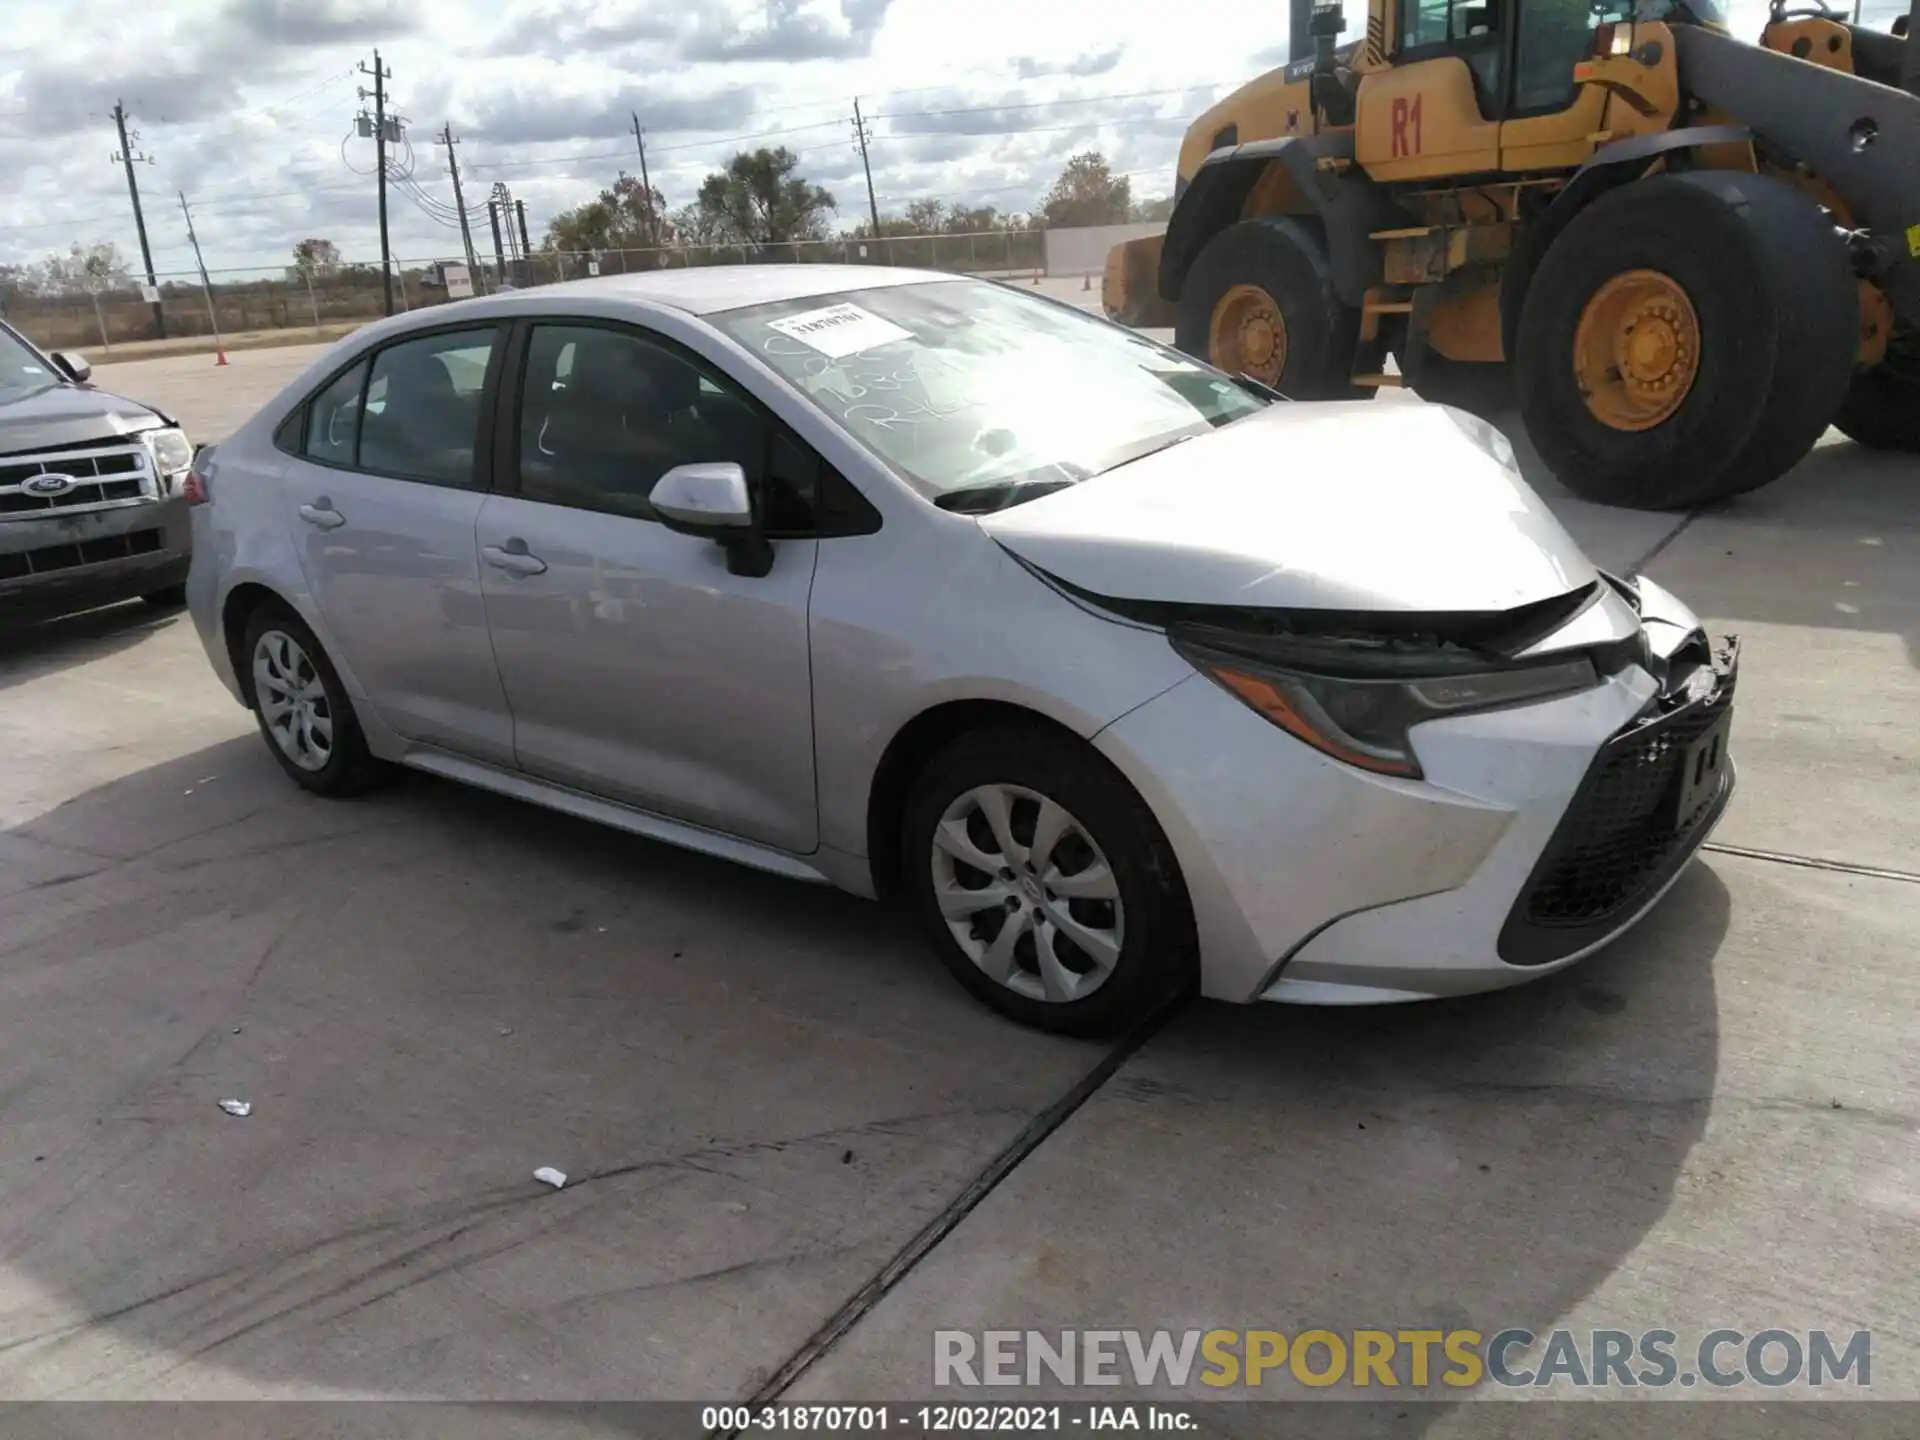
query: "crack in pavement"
1814, 862
1663, 542
1031, 1136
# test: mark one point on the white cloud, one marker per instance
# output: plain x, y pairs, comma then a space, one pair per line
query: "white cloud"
247, 105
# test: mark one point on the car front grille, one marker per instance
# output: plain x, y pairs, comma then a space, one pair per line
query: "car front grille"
48, 558
101, 475
1618, 842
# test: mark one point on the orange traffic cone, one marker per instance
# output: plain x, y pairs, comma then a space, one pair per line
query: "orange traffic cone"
219, 357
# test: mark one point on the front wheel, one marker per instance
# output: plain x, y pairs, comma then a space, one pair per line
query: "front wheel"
1045, 884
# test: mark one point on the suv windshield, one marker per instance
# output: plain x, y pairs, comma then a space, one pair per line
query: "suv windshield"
970, 389
20, 368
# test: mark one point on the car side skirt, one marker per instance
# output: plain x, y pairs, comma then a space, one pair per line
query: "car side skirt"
634, 821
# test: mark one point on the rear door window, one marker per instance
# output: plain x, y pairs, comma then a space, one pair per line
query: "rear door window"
421, 418
333, 419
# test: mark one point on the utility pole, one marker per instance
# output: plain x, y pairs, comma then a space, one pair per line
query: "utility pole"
206, 283
646, 185
453, 164
381, 74
499, 250
127, 158
526, 249
861, 135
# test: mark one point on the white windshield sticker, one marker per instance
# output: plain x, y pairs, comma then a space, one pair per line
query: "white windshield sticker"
839, 330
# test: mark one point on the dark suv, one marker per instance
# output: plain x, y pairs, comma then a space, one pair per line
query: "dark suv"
90, 504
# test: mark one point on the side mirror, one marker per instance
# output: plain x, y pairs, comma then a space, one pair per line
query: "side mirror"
713, 501
74, 366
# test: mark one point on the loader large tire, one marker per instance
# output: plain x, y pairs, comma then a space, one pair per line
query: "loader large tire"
1882, 410
1260, 301
1739, 287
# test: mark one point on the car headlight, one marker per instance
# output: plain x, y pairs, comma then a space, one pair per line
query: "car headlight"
169, 447
1366, 722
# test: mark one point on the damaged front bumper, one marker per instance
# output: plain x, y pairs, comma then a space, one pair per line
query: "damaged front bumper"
1643, 806
1317, 882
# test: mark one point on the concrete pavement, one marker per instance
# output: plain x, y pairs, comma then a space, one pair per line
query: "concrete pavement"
763, 1091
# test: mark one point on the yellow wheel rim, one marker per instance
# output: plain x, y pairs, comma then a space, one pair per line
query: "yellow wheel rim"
1247, 335
1636, 352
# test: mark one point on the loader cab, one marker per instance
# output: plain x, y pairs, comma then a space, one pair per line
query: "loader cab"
1477, 87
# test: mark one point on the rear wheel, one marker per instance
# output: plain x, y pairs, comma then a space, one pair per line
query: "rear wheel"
1883, 407
1045, 884
1686, 338
304, 711
1260, 302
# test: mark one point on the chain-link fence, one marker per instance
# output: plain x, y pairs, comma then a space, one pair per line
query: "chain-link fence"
282, 299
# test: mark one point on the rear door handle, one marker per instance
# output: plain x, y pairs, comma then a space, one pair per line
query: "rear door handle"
322, 514
513, 558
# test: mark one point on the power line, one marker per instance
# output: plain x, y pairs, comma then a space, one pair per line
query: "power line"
1049, 104
1180, 120
1004, 189
330, 81
657, 150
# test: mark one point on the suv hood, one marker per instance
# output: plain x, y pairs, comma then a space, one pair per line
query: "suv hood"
1349, 507
59, 415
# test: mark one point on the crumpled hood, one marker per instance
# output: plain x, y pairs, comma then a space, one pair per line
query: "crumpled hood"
57, 415
1340, 506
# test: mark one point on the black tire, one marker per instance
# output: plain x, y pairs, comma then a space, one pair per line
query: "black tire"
350, 767
170, 597
1287, 260
1769, 282
1157, 957
1882, 410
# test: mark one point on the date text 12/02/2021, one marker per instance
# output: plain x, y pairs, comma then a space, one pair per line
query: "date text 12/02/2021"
947, 1419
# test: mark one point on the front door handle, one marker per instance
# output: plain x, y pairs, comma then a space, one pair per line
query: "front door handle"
322, 514
513, 558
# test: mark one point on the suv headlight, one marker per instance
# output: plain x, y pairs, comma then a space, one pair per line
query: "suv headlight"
1366, 722
169, 448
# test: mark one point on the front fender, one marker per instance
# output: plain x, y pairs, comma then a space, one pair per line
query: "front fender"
1349, 206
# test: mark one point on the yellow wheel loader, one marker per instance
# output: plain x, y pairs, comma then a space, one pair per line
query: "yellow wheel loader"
1680, 255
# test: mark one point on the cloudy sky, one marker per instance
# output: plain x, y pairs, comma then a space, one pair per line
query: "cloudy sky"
248, 105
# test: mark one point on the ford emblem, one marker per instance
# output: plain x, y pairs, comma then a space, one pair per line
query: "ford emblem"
49, 484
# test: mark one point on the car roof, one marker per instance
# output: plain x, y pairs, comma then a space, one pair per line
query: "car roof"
709, 289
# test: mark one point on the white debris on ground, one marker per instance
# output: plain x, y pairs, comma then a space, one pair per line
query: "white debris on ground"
546, 1174
242, 1108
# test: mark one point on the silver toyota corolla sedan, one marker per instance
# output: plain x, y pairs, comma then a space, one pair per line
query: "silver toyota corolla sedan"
1125, 676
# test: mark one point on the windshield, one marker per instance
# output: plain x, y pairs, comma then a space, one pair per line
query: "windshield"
967, 386
20, 368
